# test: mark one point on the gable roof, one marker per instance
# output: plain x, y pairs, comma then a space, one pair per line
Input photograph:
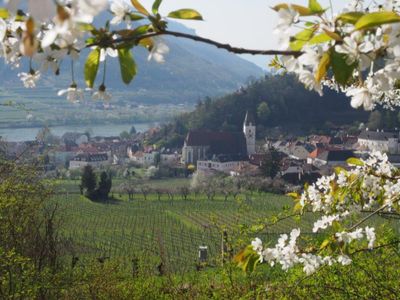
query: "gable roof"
219, 142
91, 157
377, 135
336, 155
317, 152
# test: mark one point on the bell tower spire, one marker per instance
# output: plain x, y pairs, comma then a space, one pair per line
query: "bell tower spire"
249, 130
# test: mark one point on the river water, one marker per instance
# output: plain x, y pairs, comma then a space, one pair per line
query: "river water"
29, 134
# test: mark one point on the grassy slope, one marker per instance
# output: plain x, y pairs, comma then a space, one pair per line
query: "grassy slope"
177, 228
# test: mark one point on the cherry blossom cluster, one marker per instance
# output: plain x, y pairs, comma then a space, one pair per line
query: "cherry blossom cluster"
345, 201
47, 33
355, 51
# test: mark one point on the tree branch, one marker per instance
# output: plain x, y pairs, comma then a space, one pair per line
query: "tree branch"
236, 50
395, 242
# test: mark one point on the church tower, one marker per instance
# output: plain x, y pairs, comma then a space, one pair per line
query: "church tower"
249, 130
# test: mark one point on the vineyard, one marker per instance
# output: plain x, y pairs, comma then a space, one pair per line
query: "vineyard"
165, 230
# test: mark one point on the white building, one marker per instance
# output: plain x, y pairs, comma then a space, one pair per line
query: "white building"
143, 158
96, 160
226, 167
379, 140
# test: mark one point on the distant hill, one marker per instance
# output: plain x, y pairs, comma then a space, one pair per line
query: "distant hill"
192, 70
275, 101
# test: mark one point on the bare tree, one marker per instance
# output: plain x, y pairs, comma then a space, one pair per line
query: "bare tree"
184, 191
145, 190
159, 192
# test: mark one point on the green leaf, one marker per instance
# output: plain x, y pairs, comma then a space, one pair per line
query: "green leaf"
86, 27
293, 195
127, 65
301, 38
3, 13
186, 14
91, 67
140, 8
376, 19
325, 244
156, 6
355, 161
323, 66
314, 6
341, 70
350, 17
339, 170
302, 10
247, 259
135, 17
319, 39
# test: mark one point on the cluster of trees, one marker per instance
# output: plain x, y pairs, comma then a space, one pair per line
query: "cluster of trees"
93, 190
208, 186
125, 135
276, 100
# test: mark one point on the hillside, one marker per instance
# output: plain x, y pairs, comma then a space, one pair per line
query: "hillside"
288, 105
192, 70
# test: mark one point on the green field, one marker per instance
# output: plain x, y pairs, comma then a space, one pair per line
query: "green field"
173, 229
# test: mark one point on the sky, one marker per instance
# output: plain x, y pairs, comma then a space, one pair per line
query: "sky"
241, 23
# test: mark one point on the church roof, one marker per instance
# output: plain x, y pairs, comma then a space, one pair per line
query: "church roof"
219, 142
249, 119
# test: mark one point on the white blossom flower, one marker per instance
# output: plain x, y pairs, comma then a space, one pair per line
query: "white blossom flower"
257, 245
29, 79
361, 97
370, 234
120, 9
101, 94
74, 94
108, 52
3, 29
324, 222
85, 10
355, 49
344, 260
158, 51
308, 79
348, 237
49, 59
40, 10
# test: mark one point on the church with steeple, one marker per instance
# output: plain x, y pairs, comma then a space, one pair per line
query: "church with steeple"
249, 130
220, 146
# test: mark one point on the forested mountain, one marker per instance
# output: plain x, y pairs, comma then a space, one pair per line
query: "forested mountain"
274, 101
192, 70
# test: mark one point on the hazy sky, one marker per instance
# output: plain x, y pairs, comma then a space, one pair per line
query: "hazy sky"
243, 23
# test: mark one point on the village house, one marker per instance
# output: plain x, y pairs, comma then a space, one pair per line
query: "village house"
379, 140
168, 158
333, 158
96, 160
143, 158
